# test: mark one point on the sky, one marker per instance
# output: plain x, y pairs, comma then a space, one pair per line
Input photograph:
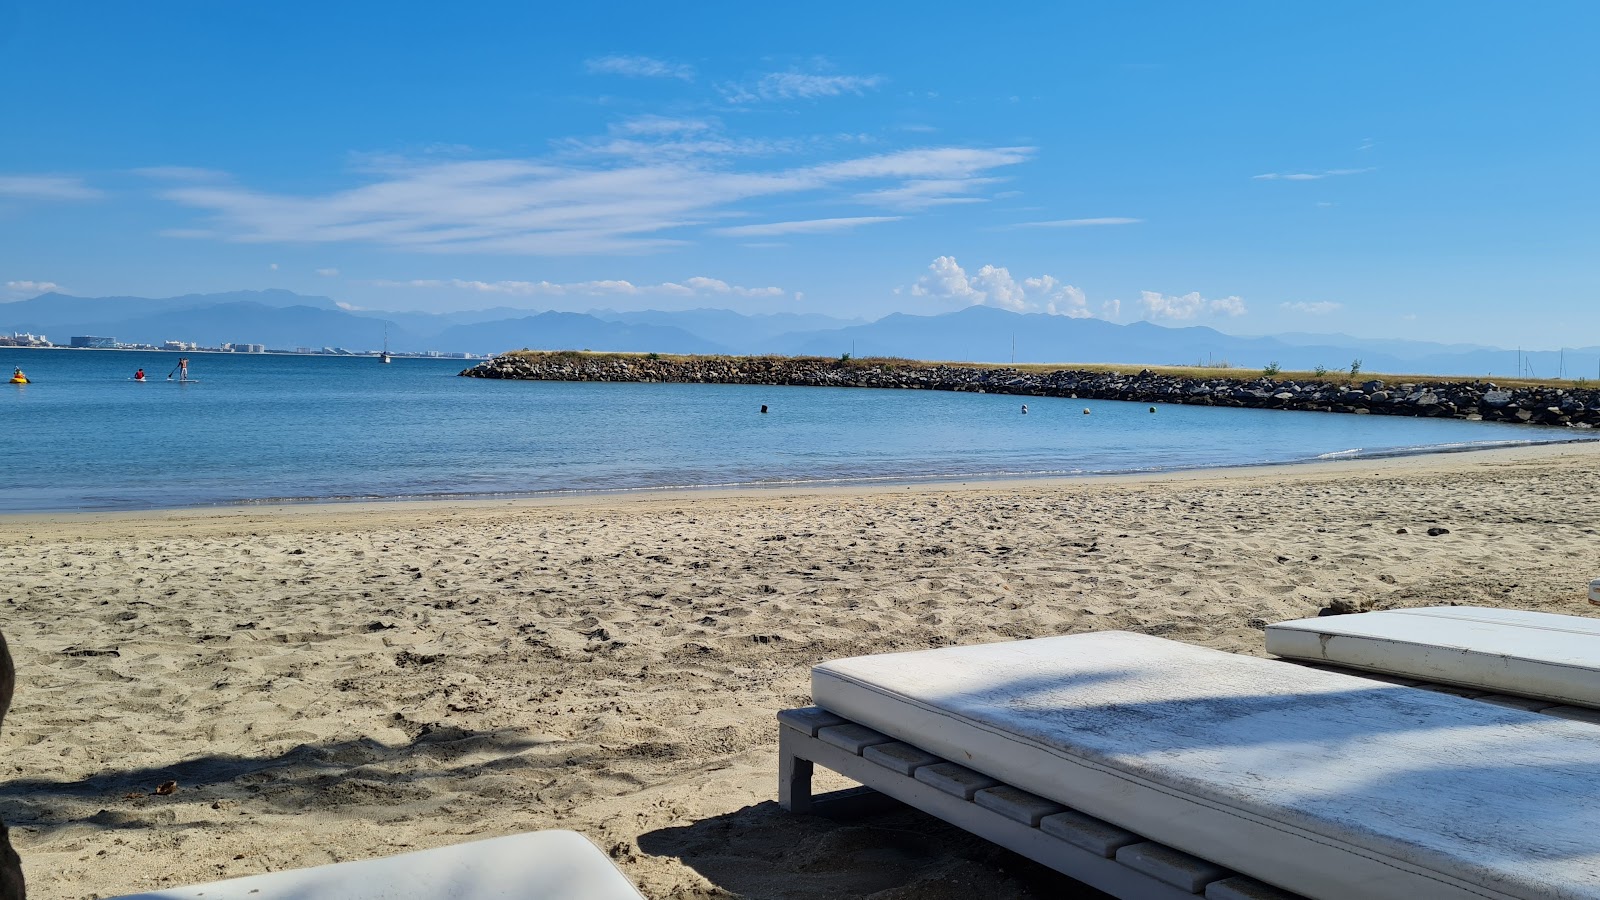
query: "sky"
1424, 170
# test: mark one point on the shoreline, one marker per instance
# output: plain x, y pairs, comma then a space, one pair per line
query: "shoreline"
1427, 462
331, 682
887, 484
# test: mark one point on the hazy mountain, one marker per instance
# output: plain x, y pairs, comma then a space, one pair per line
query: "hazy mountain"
571, 331
742, 333
281, 328
53, 308
284, 320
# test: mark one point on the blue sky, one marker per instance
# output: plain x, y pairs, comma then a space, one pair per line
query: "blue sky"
1419, 170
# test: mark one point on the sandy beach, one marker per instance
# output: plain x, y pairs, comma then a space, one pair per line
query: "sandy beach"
335, 682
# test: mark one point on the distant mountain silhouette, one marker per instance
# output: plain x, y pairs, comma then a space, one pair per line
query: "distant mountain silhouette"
741, 333
571, 331
285, 320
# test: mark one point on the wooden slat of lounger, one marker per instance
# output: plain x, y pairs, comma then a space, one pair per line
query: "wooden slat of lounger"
852, 737
809, 719
1016, 804
1179, 869
799, 752
957, 781
900, 757
1086, 831
1241, 888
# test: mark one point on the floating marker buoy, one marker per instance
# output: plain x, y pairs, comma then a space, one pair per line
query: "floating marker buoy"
1024, 409
1086, 410
1152, 409
763, 407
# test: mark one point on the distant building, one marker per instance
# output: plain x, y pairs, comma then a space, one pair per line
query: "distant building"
249, 348
94, 343
179, 345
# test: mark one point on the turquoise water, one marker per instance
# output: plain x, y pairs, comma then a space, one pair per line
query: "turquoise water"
274, 428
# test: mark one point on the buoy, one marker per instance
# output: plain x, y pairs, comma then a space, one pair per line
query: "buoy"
763, 407
1086, 410
1152, 409
1024, 409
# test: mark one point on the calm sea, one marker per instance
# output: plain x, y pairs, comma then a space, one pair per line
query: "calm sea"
275, 428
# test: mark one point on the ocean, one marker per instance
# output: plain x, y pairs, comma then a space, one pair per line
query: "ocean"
281, 428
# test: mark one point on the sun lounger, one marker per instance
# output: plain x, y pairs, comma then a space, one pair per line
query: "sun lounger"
1535, 655
1150, 768
541, 865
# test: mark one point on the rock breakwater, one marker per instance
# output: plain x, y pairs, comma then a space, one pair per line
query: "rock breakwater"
1477, 400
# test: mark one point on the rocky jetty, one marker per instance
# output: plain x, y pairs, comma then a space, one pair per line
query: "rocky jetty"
1476, 400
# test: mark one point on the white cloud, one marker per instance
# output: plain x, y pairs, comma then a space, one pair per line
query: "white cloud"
799, 86
1111, 309
181, 173
46, 187
660, 125
1079, 223
542, 207
272, 266
32, 287
807, 226
1187, 306
1312, 308
1310, 176
995, 286
328, 273
928, 192
638, 67
689, 287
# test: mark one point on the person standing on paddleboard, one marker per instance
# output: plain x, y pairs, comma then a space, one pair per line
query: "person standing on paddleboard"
183, 368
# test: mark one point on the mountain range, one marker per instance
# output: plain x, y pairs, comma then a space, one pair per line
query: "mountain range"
286, 320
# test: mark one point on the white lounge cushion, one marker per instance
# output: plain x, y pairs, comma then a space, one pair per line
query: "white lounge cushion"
1328, 785
1513, 651
540, 865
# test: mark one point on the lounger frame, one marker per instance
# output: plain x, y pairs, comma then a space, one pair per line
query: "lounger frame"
1098, 854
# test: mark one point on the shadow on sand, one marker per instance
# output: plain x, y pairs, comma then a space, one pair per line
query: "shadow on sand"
761, 851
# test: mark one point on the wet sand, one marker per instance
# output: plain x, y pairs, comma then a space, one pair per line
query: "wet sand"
334, 682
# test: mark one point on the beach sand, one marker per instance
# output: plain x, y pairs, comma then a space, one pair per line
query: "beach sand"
336, 682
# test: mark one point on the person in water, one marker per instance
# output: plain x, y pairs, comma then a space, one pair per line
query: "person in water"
18, 376
139, 375
183, 368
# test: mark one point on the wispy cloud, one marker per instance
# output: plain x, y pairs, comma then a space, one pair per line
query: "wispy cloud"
47, 187
1156, 305
328, 273
1311, 176
545, 207
638, 67
807, 226
181, 173
799, 86
1079, 223
656, 126
689, 287
32, 287
946, 280
1312, 308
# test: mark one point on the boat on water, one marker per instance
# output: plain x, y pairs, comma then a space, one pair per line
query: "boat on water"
18, 378
384, 357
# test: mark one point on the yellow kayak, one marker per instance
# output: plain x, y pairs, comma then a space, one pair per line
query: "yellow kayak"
16, 380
